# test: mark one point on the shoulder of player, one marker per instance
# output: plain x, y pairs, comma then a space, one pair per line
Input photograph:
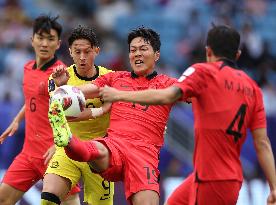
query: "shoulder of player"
165, 79
57, 63
203, 66
70, 69
250, 80
29, 64
103, 70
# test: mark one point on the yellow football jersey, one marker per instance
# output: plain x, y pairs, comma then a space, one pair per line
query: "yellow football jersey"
90, 128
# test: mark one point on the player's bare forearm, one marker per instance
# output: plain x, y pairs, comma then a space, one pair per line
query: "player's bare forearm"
90, 91
265, 156
13, 127
152, 96
21, 114
92, 113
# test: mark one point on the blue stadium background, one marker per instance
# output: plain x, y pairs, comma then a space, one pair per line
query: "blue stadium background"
182, 25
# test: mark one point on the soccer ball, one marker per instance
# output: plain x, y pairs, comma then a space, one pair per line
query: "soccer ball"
71, 99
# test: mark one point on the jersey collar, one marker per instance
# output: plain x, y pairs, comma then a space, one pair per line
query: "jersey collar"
148, 77
85, 78
46, 65
227, 62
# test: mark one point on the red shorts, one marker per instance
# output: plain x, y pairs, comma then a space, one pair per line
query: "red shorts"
191, 192
25, 171
133, 162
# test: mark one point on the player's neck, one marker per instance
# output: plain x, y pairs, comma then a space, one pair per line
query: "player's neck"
41, 62
87, 73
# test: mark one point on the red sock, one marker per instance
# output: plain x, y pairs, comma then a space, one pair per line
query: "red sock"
82, 151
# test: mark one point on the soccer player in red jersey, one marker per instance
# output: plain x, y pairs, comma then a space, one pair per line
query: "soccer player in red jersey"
226, 102
29, 166
130, 152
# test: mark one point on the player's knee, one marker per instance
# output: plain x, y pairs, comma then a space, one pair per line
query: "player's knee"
6, 199
48, 198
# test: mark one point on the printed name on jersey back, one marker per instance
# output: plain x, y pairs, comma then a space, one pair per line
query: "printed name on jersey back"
238, 87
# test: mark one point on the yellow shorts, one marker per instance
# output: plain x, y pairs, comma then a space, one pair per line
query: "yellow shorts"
97, 191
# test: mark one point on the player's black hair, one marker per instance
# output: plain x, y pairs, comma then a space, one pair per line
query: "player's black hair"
45, 23
224, 41
83, 32
148, 35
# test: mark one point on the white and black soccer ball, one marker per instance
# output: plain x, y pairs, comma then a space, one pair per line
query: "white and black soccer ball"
71, 99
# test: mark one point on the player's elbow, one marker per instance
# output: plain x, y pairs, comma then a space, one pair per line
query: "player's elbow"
169, 95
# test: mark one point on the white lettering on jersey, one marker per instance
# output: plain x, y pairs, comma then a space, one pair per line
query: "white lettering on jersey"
189, 71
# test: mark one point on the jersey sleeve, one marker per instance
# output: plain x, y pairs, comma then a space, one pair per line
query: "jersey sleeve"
103, 80
193, 81
258, 118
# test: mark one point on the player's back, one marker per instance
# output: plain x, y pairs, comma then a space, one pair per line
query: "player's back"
227, 103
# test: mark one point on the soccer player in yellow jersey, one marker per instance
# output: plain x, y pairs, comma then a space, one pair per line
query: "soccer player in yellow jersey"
62, 172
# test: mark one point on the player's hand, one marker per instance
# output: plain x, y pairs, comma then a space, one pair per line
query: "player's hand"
60, 75
271, 200
109, 94
13, 127
49, 154
84, 115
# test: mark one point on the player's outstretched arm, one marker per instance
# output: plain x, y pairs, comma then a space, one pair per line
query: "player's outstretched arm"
90, 91
150, 97
266, 160
13, 127
92, 113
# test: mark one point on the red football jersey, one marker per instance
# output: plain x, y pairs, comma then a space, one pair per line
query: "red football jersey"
132, 120
38, 132
225, 103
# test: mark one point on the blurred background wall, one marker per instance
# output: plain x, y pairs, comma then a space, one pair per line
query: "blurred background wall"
182, 25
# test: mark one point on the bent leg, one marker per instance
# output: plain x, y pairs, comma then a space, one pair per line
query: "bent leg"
85, 151
57, 185
146, 197
48, 197
9, 195
56, 188
19, 178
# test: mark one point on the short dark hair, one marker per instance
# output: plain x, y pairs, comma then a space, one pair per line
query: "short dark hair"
224, 41
83, 32
45, 23
148, 35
